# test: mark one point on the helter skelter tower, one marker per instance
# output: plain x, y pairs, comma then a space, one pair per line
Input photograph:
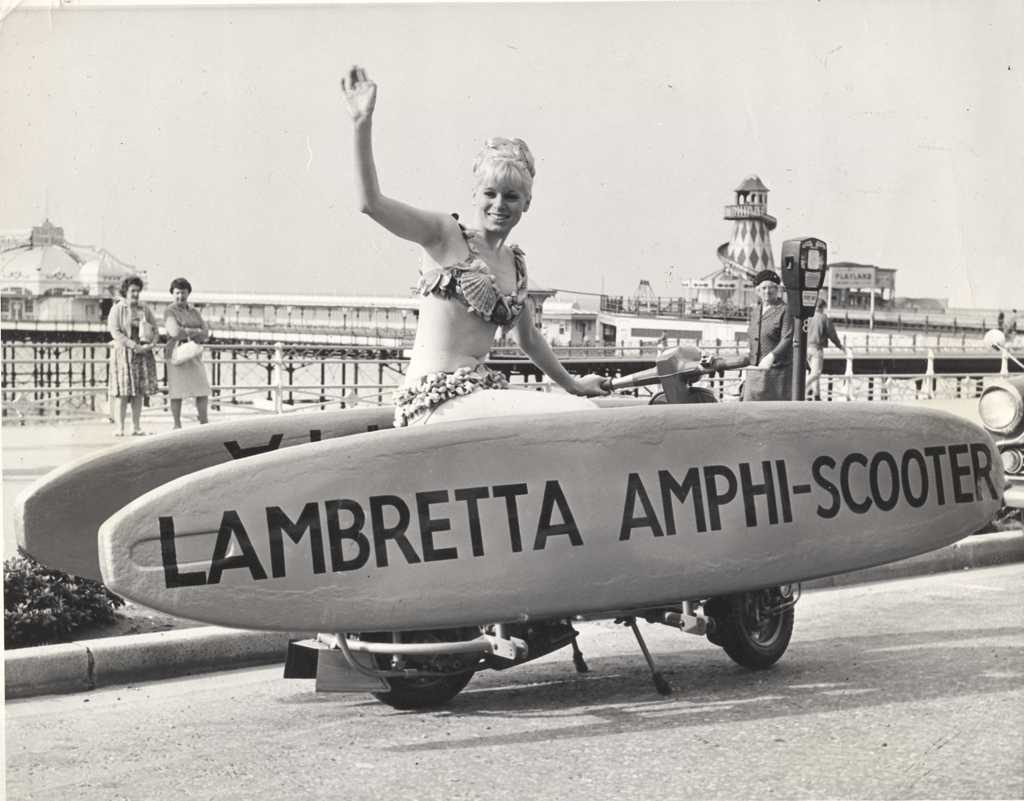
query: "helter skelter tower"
750, 249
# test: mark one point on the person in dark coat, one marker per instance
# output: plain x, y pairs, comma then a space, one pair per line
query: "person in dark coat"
770, 339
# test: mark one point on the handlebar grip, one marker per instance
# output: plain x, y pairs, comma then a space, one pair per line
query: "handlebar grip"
640, 379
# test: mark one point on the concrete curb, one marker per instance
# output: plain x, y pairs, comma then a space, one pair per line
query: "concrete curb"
980, 550
86, 665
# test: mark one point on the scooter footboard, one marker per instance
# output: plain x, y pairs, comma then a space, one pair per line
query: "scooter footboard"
345, 663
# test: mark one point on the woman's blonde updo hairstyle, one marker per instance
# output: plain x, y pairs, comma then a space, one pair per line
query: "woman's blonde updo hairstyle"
505, 159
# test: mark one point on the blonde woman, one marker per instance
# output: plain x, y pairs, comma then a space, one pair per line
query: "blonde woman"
473, 282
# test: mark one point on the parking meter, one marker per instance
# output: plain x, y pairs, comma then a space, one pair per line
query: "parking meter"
803, 272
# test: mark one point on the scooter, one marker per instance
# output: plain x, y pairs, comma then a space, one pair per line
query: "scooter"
428, 668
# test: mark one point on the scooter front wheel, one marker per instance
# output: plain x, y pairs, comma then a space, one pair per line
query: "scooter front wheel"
753, 628
693, 395
425, 692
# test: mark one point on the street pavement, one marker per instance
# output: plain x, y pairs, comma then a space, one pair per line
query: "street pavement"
900, 690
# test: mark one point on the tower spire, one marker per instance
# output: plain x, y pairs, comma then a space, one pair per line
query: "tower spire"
750, 249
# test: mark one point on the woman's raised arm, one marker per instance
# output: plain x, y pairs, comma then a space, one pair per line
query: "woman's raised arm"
423, 227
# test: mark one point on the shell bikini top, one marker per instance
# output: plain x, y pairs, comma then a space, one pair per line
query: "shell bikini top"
472, 282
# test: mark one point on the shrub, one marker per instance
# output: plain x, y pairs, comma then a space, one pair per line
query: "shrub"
42, 605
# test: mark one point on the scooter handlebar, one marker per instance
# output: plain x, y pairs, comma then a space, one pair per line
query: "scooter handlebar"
639, 379
682, 360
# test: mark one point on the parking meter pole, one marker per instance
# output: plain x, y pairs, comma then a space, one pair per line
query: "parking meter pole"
799, 387
803, 266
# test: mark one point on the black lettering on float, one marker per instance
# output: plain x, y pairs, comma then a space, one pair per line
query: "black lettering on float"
885, 504
787, 507
553, 496
914, 455
959, 471
826, 461
471, 495
382, 533
231, 524
859, 507
315, 435
238, 452
717, 499
428, 525
278, 522
979, 449
751, 490
169, 555
649, 519
353, 533
936, 452
509, 493
689, 488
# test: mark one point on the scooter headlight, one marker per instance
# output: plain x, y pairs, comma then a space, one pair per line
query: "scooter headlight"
1001, 408
1013, 461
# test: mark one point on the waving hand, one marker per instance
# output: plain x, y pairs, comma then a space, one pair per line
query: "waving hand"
360, 93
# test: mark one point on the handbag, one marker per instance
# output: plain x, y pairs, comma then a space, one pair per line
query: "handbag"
146, 332
773, 384
186, 352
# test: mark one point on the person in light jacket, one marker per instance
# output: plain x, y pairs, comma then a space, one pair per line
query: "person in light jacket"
184, 323
820, 332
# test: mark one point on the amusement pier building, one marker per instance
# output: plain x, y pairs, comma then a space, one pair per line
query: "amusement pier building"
54, 290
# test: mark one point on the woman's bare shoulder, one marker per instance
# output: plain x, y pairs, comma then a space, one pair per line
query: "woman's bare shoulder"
451, 246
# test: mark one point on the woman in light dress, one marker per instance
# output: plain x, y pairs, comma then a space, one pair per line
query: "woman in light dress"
184, 323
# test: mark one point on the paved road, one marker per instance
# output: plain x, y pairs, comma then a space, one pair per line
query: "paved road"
907, 689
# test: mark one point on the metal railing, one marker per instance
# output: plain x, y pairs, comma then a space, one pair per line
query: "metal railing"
957, 323
46, 382
70, 380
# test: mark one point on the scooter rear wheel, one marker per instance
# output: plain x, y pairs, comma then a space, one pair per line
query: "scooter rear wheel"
750, 628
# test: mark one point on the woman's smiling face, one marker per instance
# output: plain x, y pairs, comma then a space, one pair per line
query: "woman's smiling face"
500, 205
501, 198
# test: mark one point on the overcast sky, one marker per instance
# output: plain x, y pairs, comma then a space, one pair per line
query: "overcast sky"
213, 143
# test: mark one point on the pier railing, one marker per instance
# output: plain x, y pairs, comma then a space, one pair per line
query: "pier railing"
66, 381
924, 324
70, 380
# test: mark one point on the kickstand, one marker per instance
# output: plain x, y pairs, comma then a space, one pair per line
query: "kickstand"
577, 656
662, 686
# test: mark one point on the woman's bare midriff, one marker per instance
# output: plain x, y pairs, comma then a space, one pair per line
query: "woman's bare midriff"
448, 336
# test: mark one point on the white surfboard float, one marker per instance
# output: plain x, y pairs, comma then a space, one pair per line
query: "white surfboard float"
534, 517
58, 516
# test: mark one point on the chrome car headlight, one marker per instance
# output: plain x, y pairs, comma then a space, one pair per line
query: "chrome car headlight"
1001, 407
